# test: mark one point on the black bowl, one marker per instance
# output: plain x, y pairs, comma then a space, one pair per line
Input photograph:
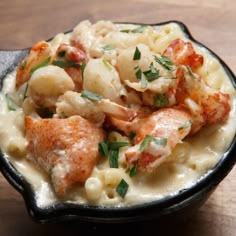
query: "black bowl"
169, 207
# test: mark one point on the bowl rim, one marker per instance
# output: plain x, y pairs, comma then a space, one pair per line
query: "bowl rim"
62, 211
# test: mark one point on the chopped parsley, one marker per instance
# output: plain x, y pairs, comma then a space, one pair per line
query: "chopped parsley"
10, 104
25, 92
145, 142
113, 158
191, 72
125, 30
133, 170
147, 76
139, 29
22, 66
122, 188
117, 145
108, 47
152, 74
91, 95
185, 125
137, 54
160, 141
160, 100
110, 149
44, 63
107, 64
138, 74
83, 65
165, 62
103, 148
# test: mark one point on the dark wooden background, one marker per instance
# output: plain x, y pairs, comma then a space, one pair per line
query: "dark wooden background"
212, 22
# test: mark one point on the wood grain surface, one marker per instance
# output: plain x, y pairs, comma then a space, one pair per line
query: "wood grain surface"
212, 22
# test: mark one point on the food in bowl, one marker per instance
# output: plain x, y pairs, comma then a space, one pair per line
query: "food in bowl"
116, 115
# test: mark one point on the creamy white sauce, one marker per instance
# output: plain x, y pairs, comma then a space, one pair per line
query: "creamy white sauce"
190, 160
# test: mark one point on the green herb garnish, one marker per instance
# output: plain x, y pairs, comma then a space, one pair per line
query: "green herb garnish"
44, 63
107, 64
10, 104
22, 66
145, 142
113, 158
185, 125
165, 62
140, 29
169, 77
160, 141
137, 54
191, 72
25, 92
134, 170
160, 100
108, 47
117, 145
91, 95
152, 74
122, 188
138, 74
83, 65
125, 30
103, 148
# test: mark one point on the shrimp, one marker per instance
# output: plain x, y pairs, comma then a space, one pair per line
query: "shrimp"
67, 149
161, 131
68, 53
38, 54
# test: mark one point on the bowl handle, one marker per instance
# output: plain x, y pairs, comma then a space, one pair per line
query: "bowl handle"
9, 59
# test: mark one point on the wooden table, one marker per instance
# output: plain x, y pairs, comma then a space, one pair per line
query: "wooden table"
212, 22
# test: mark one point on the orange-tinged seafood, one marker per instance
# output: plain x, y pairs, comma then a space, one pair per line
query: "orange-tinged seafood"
196, 105
214, 105
211, 105
69, 53
67, 149
40, 52
182, 53
164, 128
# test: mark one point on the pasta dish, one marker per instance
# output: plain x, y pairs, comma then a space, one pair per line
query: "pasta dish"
116, 114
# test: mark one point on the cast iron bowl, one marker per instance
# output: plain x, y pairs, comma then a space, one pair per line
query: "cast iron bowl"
169, 207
